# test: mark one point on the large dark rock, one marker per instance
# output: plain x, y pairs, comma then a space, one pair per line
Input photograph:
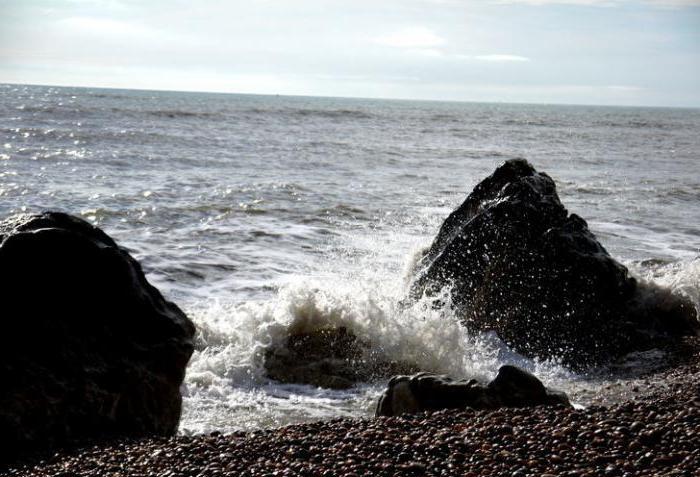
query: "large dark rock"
512, 387
330, 358
518, 264
89, 348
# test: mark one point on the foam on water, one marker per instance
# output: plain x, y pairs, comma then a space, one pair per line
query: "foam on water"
226, 388
682, 276
227, 372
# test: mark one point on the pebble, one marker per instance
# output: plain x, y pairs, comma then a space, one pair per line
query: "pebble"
655, 434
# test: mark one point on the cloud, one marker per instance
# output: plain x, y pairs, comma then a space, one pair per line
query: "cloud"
625, 88
427, 52
594, 3
605, 3
414, 37
125, 34
674, 3
102, 27
421, 41
502, 58
101, 4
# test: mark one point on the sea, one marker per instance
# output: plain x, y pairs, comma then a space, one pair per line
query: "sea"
258, 213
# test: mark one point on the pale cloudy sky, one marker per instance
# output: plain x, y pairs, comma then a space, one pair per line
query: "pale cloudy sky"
629, 52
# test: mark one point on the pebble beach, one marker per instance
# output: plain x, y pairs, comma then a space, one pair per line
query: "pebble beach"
654, 434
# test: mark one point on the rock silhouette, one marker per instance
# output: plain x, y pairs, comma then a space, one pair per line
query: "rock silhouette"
330, 358
518, 264
90, 348
512, 387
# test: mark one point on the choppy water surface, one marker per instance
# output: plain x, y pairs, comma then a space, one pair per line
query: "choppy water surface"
254, 212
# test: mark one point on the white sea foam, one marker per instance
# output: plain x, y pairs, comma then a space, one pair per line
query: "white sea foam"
681, 276
226, 388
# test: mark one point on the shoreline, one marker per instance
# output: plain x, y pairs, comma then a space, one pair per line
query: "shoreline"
653, 434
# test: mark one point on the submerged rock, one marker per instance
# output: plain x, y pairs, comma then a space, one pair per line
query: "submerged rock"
330, 358
518, 264
90, 348
512, 387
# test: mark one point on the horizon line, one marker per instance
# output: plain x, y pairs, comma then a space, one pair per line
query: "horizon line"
372, 98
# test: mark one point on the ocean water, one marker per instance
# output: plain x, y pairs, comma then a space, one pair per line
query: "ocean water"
257, 213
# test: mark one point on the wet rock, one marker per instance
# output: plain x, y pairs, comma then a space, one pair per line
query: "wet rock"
90, 348
512, 387
516, 387
331, 358
517, 263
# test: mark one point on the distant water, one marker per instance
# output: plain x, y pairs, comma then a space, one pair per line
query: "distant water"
253, 212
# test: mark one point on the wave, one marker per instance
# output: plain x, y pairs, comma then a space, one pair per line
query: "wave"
227, 369
342, 211
72, 109
178, 113
333, 113
681, 276
309, 112
49, 108
639, 124
686, 193
446, 118
109, 96
527, 122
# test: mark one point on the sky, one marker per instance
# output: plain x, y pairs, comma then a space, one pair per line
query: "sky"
624, 52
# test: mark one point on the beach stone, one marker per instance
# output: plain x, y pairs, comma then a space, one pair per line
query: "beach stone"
517, 263
331, 358
90, 348
512, 387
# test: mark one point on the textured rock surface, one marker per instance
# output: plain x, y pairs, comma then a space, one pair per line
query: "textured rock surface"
90, 348
518, 264
330, 358
512, 387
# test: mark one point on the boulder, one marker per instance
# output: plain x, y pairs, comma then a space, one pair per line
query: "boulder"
517, 263
512, 387
329, 358
90, 349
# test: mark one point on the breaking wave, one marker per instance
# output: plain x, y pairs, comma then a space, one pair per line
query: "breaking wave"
227, 372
